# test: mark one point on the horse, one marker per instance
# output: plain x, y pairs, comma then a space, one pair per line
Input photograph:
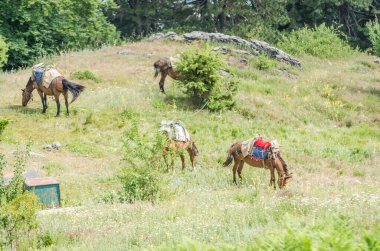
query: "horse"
175, 147
164, 66
275, 162
57, 86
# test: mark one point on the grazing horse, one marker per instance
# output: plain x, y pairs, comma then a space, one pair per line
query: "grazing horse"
57, 86
275, 162
164, 66
179, 147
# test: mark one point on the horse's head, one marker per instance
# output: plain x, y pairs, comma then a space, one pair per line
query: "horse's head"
283, 170
27, 92
161, 65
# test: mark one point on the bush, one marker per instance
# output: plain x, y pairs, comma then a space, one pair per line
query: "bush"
139, 184
84, 75
140, 180
202, 82
3, 124
18, 208
374, 36
321, 41
18, 217
3, 52
265, 63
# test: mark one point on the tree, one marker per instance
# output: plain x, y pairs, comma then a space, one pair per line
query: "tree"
37, 28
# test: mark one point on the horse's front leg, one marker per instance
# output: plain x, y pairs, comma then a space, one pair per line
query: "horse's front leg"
272, 177
56, 97
183, 161
42, 100
240, 169
45, 97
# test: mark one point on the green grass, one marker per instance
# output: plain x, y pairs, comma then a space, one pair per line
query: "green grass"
327, 122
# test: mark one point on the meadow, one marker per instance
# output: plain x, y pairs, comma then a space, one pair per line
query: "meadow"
327, 121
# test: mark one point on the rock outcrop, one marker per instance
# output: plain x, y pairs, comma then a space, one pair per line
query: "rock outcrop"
255, 46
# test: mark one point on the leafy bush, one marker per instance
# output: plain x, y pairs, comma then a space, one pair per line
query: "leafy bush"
139, 184
322, 41
3, 52
3, 124
86, 74
18, 217
265, 63
374, 36
202, 82
16, 185
18, 208
140, 179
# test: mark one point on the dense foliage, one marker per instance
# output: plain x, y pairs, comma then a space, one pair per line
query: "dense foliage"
3, 124
374, 36
202, 80
263, 19
321, 41
3, 52
36, 28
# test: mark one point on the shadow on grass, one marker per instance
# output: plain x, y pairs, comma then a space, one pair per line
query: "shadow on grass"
371, 90
24, 110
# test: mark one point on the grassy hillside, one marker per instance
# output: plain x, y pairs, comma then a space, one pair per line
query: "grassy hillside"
327, 121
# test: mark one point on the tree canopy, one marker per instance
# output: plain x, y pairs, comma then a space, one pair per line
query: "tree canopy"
32, 29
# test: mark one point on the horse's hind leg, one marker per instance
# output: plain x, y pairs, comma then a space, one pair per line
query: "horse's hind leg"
162, 80
239, 170
65, 94
236, 163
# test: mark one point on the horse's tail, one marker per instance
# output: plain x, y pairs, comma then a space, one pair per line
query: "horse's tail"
230, 156
74, 88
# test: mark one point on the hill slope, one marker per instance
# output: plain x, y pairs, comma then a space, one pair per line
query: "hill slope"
327, 122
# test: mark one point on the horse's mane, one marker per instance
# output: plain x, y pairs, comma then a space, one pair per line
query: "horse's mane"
284, 164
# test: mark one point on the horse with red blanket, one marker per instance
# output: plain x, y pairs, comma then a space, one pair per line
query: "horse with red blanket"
258, 153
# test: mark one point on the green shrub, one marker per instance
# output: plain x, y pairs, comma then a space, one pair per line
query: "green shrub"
322, 41
3, 124
265, 63
202, 82
139, 184
374, 36
86, 74
140, 179
3, 52
18, 208
18, 218
16, 185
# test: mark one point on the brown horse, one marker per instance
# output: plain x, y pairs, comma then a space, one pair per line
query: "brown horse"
164, 66
57, 86
178, 147
275, 162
